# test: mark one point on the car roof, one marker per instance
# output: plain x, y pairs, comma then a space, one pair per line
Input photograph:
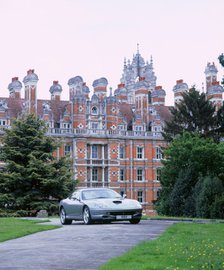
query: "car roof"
84, 189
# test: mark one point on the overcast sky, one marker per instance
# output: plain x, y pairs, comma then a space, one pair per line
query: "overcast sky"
61, 39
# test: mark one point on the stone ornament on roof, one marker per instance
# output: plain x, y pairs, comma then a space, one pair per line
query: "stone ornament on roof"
46, 107
78, 80
15, 84
138, 68
102, 82
3, 105
216, 88
55, 88
30, 77
211, 68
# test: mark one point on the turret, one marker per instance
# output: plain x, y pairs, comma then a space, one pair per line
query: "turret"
210, 75
100, 88
112, 111
158, 96
178, 90
55, 91
214, 94
141, 98
15, 88
30, 83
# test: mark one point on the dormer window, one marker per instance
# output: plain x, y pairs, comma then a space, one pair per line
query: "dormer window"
94, 110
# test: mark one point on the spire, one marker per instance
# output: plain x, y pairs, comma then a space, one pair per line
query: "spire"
138, 62
125, 62
151, 61
111, 91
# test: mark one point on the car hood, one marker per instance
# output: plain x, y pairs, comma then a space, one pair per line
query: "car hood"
115, 203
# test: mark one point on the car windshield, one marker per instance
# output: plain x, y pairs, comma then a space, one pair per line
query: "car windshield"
99, 194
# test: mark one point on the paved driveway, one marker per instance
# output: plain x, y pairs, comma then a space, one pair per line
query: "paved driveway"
76, 246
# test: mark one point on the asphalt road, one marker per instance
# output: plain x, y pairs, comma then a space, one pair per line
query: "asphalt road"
76, 246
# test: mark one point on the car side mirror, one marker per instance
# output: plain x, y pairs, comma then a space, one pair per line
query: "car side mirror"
124, 196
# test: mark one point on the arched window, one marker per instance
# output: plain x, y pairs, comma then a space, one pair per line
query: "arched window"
94, 110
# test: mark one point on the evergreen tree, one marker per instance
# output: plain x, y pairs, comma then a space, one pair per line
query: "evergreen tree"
32, 177
193, 114
188, 159
211, 190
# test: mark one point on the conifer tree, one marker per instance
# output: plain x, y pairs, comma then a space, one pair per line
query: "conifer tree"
32, 177
194, 114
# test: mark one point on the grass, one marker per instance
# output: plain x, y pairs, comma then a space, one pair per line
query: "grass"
11, 228
182, 247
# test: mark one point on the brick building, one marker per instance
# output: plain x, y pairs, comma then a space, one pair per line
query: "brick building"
114, 139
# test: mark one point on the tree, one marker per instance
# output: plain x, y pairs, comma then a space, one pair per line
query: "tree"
210, 191
193, 114
188, 158
32, 176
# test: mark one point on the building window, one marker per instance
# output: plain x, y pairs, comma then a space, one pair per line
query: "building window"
159, 153
67, 150
94, 125
140, 196
139, 152
158, 174
94, 110
120, 127
66, 125
122, 152
94, 151
139, 174
94, 174
122, 176
2, 122
149, 97
138, 128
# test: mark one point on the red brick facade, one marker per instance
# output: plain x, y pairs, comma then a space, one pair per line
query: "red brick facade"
114, 139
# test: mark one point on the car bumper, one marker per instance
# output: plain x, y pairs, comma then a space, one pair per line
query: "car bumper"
103, 215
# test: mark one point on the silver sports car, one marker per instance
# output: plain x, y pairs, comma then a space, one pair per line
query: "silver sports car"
99, 204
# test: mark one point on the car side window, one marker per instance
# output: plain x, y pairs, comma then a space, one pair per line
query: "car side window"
75, 196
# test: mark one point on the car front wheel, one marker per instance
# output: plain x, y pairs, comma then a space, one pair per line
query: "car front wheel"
63, 218
86, 216
134, 220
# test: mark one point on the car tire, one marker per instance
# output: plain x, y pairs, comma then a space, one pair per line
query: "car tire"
86, 216
134, 220
63, 218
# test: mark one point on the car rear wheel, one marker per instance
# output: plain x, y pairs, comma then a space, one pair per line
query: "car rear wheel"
86, 216
63, 218
134, 220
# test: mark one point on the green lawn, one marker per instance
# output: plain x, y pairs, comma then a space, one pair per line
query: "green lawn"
182, 246
11, 228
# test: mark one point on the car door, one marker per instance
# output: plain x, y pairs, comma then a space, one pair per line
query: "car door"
74, 206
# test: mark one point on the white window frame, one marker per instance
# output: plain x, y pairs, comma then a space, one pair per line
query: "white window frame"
140, 175
140, 196
158, 174
122, 175
67, 149
94, 175
122, 152
94, 151
140, 152
159, 154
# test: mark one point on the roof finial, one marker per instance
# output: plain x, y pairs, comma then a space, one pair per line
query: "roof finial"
151, 61
138, 48
124, 61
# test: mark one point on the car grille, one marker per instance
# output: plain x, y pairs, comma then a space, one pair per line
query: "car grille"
132, 212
